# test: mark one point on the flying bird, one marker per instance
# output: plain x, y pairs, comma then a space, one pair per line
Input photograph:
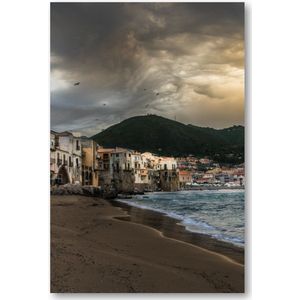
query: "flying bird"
157, 94
104, 104
77, 83
146, 105
145, 89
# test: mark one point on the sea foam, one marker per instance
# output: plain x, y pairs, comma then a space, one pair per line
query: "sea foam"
217, 213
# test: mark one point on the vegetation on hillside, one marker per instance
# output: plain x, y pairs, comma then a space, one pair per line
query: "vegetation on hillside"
167, 137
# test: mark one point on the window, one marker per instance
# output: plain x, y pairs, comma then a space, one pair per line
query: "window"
58, 159
70, 162
77, 163
117, 155
56, 141
77, 145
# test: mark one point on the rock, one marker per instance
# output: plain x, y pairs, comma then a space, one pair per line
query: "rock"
76, 189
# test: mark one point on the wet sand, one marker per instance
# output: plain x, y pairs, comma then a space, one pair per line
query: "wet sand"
172, 228
93, 249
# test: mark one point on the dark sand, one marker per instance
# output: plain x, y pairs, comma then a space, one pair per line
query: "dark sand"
172, 228
94, 250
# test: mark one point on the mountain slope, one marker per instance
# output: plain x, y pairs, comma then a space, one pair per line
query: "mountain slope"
167, 137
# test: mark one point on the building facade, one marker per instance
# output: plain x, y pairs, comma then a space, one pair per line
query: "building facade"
90, 167
65, 158
185, 178
168, 174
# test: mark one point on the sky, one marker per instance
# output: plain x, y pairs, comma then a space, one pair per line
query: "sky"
182, 61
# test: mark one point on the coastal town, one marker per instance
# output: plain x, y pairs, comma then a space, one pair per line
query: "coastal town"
78, 160
146, 148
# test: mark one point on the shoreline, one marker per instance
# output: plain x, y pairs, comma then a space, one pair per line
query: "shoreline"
172, 228
93, 249
212, 188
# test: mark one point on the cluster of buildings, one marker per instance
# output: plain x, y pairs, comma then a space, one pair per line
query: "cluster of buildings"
79, 160
194, 172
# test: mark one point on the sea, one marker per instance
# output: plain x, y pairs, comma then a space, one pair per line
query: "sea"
217, 213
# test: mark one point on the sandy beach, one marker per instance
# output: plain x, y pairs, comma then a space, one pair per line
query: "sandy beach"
99, 247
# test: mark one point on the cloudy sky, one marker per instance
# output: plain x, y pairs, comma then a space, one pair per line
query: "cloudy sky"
183, 60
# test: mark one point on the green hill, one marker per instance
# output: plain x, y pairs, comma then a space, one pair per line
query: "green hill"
167, 137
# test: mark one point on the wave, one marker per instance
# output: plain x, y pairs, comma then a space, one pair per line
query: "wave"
197, 226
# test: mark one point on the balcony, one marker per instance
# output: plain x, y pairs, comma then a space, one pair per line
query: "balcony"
59, 162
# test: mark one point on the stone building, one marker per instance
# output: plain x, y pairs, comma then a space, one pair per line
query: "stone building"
123, 170
159, 173
90, 167
185, 177
168, 174
149, 171
168, 180
116, 169
128, 171
137, 165
105, 166
65, 158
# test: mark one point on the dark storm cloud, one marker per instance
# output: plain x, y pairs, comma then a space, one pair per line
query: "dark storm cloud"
125, 54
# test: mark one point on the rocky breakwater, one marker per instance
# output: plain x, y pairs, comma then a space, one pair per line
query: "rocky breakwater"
85, 190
